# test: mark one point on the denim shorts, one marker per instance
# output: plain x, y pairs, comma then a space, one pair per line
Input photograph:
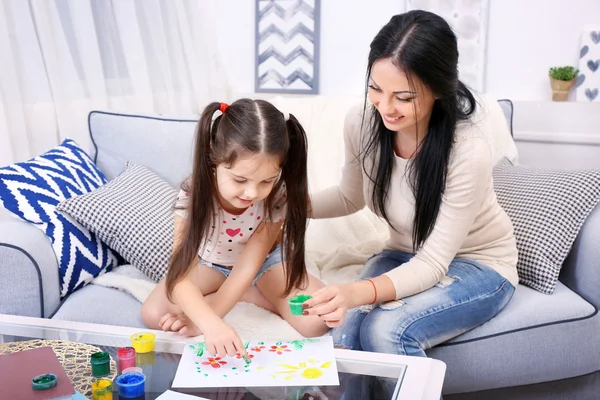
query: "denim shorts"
273, 259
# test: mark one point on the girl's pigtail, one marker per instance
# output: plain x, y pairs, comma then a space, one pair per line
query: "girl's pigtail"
201, 206
294, 176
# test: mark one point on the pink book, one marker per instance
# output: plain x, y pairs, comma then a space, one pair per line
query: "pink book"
17, 370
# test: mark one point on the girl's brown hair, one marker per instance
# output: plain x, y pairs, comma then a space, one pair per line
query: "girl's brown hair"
246, 127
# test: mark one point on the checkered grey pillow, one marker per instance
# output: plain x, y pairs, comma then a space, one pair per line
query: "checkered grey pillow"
132, 214
547, 208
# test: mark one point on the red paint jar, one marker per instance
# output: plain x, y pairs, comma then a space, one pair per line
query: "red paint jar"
126, 356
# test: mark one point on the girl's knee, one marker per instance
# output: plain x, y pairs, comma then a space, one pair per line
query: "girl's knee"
151, 315
309, 330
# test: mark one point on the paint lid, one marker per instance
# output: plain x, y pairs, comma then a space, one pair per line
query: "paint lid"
44, 381
132, 369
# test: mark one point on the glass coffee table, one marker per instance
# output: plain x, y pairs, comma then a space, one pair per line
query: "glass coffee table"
363, 375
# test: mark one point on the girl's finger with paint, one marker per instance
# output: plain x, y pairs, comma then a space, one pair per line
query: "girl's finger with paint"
239, 346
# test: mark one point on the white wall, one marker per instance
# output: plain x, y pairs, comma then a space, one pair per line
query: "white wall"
563, 135
526, 38
522, 44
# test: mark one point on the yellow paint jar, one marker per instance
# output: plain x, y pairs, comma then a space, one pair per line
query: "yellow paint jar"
143, 342
102, 390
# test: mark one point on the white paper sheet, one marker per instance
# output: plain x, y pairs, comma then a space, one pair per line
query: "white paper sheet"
274, 363
170, 395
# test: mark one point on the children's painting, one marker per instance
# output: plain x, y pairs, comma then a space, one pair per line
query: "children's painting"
269, 363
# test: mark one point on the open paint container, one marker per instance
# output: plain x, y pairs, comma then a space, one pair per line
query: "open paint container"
126, 357
143, 342
296, 303
131, 385
102, 389
100, 363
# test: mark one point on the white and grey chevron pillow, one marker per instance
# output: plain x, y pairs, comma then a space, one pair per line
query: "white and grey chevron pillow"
547, 208
132, 214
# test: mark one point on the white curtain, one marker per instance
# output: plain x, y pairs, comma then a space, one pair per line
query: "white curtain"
59, 59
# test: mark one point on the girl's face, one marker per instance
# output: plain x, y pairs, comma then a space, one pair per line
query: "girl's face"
400, 106
249, 179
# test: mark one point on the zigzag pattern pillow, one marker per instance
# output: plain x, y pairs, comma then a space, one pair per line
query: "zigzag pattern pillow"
32, 190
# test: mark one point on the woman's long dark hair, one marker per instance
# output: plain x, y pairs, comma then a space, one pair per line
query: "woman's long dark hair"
246, 127
422, 45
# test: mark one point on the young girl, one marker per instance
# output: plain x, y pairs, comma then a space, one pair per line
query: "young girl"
240, 221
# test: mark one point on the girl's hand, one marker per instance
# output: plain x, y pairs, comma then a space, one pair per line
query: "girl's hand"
179, 323
221, 340
330, 303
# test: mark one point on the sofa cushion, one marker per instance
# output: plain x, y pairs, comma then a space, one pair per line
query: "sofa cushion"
102, 305
161, 143
547, 208
507, 108
543, 335
133, 214
32, 190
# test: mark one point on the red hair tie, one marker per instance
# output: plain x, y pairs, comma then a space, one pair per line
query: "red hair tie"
223, 107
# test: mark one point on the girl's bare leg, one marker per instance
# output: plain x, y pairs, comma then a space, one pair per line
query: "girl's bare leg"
271, 285
158, 311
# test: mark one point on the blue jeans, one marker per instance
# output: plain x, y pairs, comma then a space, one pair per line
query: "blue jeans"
469, 295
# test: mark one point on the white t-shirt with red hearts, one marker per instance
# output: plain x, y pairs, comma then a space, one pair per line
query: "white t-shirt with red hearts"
232, 232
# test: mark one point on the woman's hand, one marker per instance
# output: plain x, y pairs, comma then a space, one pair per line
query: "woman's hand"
222, 340
329, 303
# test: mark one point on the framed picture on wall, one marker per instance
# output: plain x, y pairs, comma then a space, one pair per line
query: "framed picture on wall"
469, 20
287, 46
588, 81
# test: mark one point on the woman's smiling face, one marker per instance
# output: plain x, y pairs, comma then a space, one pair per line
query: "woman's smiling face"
401, 105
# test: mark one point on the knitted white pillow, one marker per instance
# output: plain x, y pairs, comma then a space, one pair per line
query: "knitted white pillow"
547, 208
132, 214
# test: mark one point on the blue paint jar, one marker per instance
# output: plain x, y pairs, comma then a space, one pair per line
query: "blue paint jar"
131, 385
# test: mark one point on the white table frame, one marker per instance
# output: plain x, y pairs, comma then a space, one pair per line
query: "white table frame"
423, 378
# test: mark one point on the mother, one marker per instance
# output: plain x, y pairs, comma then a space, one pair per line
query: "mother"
417, 159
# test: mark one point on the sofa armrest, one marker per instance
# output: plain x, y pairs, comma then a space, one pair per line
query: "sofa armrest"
29, 282
581, 269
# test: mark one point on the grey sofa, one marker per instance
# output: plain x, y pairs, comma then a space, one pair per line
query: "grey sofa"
537, 338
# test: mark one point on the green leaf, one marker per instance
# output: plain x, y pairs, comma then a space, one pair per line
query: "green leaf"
198, 348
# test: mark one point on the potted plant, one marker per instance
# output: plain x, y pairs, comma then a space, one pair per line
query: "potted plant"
561, 80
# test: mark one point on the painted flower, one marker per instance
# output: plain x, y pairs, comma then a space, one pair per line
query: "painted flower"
214, 362
257, 348
238, 356
279, 349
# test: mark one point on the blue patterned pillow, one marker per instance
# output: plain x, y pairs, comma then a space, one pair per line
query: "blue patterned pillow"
33, 189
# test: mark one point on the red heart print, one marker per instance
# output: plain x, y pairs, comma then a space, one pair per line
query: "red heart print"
233, 232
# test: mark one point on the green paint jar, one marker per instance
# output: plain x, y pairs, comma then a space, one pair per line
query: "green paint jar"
296, 303
100, 363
